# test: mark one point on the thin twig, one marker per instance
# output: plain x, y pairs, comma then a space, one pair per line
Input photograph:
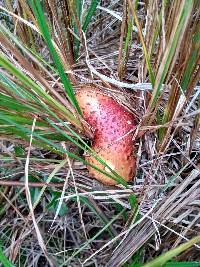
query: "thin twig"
31, 184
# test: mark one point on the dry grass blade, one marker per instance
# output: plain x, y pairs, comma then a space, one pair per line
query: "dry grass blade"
162, 213
29, 201
194, 131
28, 68
121, 63
65, 185
32, 26
78, 198
152, 69
146, 55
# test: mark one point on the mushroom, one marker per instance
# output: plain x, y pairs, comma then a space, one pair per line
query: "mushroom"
113, 129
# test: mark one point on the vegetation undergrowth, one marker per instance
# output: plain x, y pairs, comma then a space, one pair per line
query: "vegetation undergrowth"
145, 54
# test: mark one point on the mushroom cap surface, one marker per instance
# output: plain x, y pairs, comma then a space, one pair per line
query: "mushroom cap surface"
113, 128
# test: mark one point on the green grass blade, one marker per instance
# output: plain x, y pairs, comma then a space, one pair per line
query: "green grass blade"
159, 261
28, 82
128, 36
90, 14
56, 148
127, 40
23, 120
85, 25
157, 28
39, 14
10, 103
5, 82
91, 239
87, 148
25, 49
172, 180
48, 180
78, 8
146, 55
4, 260
191, 63
84, 145
88, 203
182, 264
169, 53
187, 76
4, 62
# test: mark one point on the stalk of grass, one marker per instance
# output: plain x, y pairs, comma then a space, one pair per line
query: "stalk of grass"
55, 21
176, 28
56, 148
37, 60
84, 146
159, 261
127, 43
124, 49
121, 41
67, 24
182, 264
97, 211
4, 260
46, 34
85, 24
4, 62
146, 55
90, 14
92, 239
24, 11
181, 18
30, 52
189, 61
10, 103
76, 14
172, 180
195, 128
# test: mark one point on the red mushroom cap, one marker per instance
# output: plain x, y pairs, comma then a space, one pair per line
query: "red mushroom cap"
113, 129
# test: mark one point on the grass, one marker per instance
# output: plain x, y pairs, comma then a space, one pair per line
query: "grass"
172, 253
4, 260
48, 50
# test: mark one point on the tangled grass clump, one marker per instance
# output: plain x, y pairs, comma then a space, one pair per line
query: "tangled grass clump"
144, 56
